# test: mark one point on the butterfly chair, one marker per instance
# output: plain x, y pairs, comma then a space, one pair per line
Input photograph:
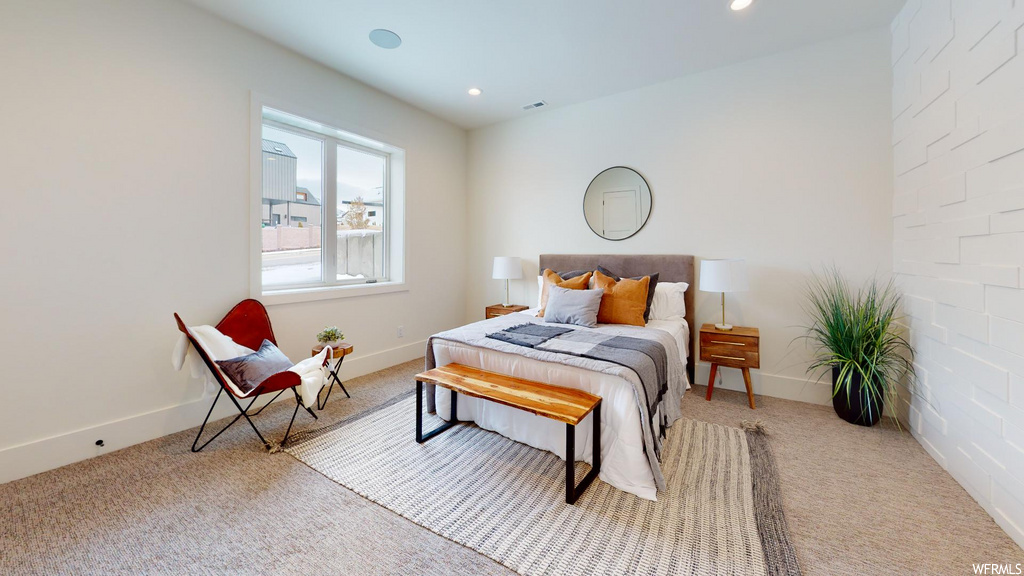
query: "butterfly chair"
248, 325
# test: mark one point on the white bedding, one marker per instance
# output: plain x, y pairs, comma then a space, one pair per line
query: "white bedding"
675, 326
623, 463
680, 331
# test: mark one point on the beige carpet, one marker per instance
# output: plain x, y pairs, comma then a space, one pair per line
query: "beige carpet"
156, 508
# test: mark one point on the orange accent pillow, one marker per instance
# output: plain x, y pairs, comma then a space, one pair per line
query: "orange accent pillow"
553, 279
624, 301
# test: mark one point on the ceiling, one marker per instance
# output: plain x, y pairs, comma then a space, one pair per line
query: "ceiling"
518, 52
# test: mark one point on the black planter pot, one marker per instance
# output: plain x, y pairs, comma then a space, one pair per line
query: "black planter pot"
859, 408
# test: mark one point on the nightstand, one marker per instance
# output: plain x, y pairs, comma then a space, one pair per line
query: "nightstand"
737, 348
501, 310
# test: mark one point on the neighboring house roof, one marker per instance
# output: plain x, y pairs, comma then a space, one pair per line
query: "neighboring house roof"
365, 202
279, 148
310, 199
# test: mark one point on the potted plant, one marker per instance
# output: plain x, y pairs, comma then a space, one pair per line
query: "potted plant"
853, 334
330, 336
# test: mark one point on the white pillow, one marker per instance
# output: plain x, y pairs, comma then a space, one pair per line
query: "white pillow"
669, 301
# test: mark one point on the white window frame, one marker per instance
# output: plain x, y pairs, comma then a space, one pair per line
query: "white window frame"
308, 124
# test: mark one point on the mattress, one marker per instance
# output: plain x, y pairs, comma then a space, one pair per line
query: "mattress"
624, 463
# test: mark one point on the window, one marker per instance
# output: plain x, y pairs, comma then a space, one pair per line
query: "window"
362, 183
292, 256
331, 206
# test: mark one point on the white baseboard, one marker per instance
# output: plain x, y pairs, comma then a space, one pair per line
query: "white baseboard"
775, 385
361, 365
56, 451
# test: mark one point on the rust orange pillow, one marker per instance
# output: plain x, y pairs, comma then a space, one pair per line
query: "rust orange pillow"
553, 279
624, 301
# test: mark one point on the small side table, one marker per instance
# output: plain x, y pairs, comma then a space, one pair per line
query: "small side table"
340, 351
736, 348
500, 310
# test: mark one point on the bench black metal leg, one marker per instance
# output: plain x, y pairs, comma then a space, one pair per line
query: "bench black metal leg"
420, 436
570, 464
572, 491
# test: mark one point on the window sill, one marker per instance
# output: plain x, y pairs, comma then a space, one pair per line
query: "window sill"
289, 296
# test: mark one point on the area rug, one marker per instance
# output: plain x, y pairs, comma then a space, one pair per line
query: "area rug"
721, 514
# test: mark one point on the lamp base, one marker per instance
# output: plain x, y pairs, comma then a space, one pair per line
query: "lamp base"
723, 327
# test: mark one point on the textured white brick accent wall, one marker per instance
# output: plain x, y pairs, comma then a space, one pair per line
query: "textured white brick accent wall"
958, 234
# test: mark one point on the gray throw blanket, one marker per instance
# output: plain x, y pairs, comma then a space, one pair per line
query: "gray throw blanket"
645, 357
659, 405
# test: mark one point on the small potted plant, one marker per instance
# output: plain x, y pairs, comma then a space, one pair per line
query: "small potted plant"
854, 335
330, 336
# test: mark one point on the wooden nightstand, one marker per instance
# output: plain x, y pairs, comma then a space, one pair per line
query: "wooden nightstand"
737, 348
501, 310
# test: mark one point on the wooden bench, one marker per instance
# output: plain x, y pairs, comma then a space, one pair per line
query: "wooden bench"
562, 404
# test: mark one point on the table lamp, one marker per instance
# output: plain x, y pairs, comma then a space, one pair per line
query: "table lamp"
723, 276
507, 268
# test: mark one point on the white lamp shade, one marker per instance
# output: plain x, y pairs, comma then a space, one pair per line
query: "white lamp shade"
507, 268
723, 275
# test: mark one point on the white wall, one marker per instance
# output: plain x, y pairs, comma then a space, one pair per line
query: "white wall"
958, 219
127, 129
783, 160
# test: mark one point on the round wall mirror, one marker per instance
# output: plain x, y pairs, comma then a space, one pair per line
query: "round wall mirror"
617, 203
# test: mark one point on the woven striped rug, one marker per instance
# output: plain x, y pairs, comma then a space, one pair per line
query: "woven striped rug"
721, 513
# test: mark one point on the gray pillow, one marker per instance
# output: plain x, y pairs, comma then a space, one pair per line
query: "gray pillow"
577, 307
572, 274
248, 372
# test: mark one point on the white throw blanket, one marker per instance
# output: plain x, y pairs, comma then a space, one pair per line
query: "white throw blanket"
221, 347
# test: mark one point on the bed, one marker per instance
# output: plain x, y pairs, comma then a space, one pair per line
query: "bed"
628, 457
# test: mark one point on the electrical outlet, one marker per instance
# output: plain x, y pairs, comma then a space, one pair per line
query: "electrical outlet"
401, 331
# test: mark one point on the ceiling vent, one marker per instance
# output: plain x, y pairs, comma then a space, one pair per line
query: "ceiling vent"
536, 104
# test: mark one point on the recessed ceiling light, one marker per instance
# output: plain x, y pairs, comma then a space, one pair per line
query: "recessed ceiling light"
740, 4
385, 38
475, 91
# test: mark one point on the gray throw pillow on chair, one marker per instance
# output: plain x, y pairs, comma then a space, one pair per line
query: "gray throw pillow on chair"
577, 307
248, 372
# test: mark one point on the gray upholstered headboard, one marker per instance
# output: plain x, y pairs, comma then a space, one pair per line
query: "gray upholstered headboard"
671, 267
